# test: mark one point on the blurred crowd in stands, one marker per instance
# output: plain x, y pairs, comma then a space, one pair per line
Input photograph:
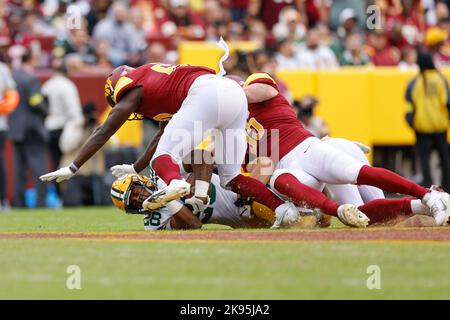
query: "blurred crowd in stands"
94, 36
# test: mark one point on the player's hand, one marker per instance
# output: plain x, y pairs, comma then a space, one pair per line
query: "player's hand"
197, 204
362, 146
122, 169
58, 175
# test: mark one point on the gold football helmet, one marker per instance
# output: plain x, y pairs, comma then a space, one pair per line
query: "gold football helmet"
129, 191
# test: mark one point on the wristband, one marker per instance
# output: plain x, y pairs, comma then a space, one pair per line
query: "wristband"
201, 189
174, 206
73, 167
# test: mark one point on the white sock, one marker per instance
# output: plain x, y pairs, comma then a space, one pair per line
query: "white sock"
201, 189
417, 207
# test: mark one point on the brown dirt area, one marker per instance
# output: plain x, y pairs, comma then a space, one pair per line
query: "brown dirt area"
436, 234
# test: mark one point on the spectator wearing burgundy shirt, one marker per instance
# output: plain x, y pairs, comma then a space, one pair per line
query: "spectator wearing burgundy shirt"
269, 10
383, 54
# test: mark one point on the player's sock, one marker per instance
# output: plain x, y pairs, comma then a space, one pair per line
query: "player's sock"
303, 195
166, 168
382, 210
417, 207
249, 187
389, 181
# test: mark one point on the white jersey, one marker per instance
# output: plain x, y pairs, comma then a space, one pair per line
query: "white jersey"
221, 209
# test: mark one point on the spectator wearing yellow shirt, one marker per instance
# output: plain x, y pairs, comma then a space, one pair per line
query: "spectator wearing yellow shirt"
428, 102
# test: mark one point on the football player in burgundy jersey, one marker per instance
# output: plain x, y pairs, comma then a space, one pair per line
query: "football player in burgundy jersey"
197, 102
301, 155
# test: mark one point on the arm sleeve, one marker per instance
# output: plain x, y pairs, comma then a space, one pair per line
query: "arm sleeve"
122, 86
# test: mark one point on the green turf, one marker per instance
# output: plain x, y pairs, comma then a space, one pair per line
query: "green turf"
36, 268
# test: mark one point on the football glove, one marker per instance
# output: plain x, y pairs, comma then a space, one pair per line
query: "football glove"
58, 175
197, 205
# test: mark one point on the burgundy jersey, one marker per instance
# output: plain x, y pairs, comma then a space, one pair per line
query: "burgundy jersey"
165, 87
275, 120
270, 11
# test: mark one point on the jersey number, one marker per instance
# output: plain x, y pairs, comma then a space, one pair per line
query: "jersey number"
166, 68
155, 219
255, 132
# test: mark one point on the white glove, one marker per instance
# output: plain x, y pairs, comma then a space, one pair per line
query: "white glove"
198, 205
60, 175
122, 169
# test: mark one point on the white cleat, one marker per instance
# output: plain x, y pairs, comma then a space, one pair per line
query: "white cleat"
285, 215
349, 215
439, 204
175, 190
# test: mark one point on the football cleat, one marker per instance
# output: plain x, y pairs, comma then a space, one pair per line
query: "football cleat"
439, 204
349, 215
175, 190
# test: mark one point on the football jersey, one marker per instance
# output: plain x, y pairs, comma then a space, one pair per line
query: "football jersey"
165, 87
272, 127
221, 210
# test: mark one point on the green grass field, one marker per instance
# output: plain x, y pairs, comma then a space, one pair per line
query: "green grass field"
159, 269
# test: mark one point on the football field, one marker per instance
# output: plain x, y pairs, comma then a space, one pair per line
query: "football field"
115, 259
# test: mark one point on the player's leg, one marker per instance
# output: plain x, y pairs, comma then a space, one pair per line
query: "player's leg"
366, 193
291, 185
197, 116
20, 174
424, 146
369, 193
201, 163
230, 149
331, 165
442, 148
371, 200
345, 193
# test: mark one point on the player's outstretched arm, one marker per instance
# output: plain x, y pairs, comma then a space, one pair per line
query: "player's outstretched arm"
116, 118
185, 219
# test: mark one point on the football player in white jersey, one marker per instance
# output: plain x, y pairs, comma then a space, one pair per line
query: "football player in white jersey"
129, 192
